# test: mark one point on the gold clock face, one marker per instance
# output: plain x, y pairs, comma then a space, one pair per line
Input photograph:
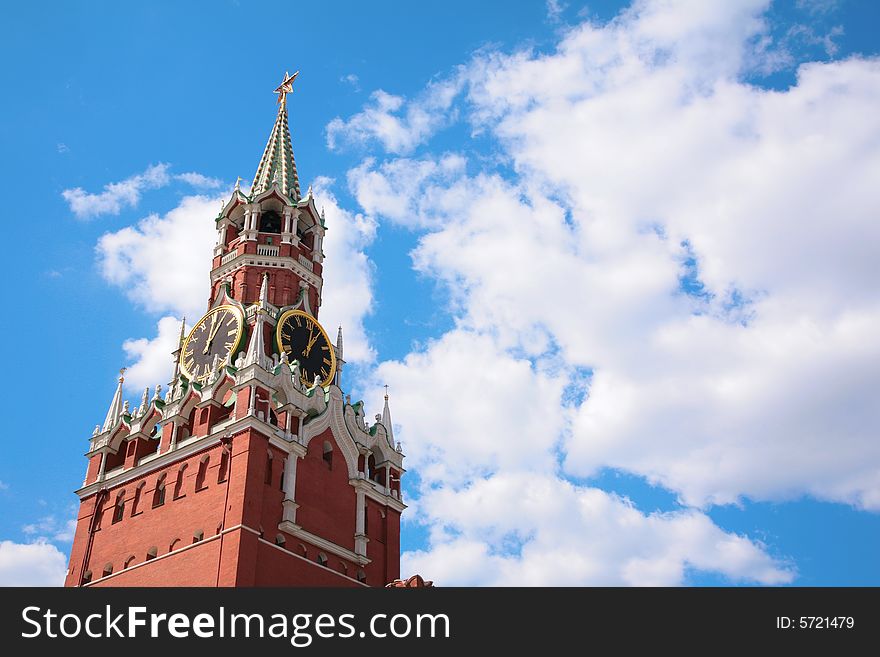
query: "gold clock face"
218, 333
304, 340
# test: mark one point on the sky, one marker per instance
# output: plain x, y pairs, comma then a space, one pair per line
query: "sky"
615, 261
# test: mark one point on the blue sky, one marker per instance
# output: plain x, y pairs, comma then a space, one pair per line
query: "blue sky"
615, 262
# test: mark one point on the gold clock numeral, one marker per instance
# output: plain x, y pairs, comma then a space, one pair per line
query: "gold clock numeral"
327, 362
298, 320
325, 347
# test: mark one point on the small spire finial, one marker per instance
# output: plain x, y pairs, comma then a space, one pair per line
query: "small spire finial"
386, 391
286, 87
122, 374
238, 183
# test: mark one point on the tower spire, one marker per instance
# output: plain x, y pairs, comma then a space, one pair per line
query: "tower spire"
386, 419
277, 163
115, 410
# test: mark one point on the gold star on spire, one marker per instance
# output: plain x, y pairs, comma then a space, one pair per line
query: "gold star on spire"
286, 87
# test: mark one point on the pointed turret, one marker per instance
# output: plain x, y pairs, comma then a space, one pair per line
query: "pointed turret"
386, 420
256, 351
339, 343
115, 410
277, 165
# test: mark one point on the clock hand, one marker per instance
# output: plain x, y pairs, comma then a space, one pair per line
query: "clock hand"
215, 326
311, 343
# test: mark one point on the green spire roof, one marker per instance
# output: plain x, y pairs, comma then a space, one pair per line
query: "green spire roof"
277, 163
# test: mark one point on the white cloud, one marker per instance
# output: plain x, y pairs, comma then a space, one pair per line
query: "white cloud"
199, 180
640, 159
50, 528
347, 293
398, 132
116, 196
152, 361
31, 564
127, 193
163, 262
532, 530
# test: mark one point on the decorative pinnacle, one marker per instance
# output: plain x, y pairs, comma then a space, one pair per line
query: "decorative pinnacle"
238, 183
386, 391
286, 87
121, 374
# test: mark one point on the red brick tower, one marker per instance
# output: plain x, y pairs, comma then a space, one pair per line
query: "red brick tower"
254, 469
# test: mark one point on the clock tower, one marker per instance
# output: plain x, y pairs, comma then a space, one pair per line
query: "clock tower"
252, 467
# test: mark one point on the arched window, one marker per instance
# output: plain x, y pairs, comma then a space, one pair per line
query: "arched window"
136, 502
87, 577
99, 511
159, 492
173, 545
270, 222
128, 562
268, 468
361, 576
119, 507
303, 552
371, 467
322, 558
202, 473
328, 454
280, 540
223, 470
198, 536
178, 486
343, 568
108, 570
152, 552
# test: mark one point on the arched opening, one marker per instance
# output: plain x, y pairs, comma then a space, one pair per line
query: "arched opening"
128, 562
343, 568
173, 545
152, 552
371, 467
202, 474
223, 470
280, 540
99, 511
303, 551
361, 576
159, 492
108, 570
136, 502
178, 485
268, 477
119, 507
270, 222
198, 536
322, 559
87, 577
328, 454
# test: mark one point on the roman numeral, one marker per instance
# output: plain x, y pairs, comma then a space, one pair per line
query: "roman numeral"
298, 320
227, 346
326, 361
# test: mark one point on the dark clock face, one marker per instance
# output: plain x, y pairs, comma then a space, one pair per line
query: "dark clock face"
217, 334
304, 340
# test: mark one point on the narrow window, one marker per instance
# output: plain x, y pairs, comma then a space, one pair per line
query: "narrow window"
268, 479
328, 454
224, 467
280, 540
202, 473
87, 577
361, 576
119, 508
178, 486
152, 552
173, 545
108, 570
128, 562
136, 502
159, 492
322, 558
198, 536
